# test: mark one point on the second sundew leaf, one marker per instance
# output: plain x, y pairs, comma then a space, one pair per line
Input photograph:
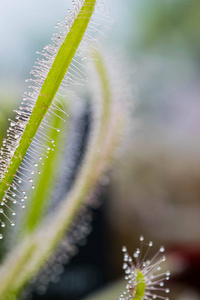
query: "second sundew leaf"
41, 196
36, 104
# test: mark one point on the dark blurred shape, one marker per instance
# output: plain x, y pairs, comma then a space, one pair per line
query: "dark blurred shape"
86, 271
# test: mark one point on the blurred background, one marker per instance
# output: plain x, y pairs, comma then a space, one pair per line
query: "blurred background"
154, 188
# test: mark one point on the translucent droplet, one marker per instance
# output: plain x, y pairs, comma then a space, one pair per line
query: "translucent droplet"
3, 224
161, 284
167, 291
150, 244
162, 249
30, 179
32, 186
1, 236
124, 249
141, 238
12, 223
124, 266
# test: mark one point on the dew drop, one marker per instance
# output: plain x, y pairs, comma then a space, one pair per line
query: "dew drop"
141, 238
167, 291
30, 179
12, 223
161, 284
1, 236
124, 249
3, 224
124, 266
162, 249
32, 186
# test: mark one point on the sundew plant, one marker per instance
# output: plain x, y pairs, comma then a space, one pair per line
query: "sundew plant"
144, 275
32, 153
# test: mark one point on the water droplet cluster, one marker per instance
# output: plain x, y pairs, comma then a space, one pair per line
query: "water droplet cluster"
151, 270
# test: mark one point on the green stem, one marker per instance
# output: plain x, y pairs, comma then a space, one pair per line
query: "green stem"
141, 285
48, 91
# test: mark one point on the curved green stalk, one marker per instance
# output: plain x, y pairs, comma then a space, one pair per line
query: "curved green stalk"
48, 91
39, 199
46, 238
